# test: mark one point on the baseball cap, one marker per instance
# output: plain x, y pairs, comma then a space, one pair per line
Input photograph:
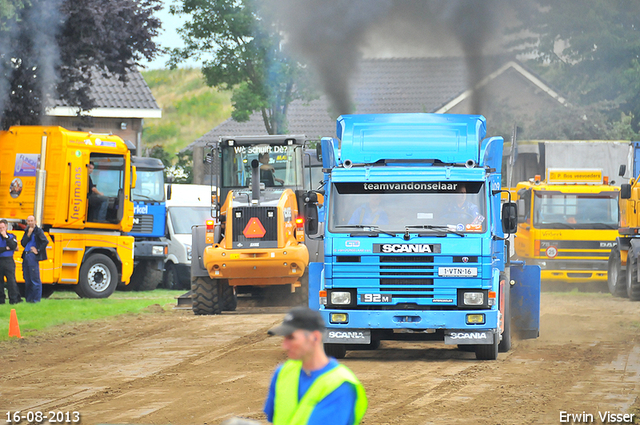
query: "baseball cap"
299, 318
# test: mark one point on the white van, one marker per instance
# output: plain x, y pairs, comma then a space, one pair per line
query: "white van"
188, 205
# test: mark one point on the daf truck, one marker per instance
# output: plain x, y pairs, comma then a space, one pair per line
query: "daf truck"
568, 224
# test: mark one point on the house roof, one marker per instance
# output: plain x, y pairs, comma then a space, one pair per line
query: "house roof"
392, 85
115, 99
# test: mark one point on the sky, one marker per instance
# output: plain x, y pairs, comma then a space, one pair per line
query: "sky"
169, 38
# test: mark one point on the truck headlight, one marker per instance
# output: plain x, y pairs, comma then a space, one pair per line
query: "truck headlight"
340, 298
188, 247
473, 298
157, 250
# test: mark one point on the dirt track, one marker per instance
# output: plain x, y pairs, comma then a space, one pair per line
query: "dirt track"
170, 366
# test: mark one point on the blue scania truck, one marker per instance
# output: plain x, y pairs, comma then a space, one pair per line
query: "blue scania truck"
416, 239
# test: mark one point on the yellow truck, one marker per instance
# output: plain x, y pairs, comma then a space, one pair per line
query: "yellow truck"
44, 171
568, 224
257, 240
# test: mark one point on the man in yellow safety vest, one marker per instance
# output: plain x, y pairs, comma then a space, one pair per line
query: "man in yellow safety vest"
311, 388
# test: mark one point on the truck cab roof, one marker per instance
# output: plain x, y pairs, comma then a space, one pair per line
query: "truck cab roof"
448, 138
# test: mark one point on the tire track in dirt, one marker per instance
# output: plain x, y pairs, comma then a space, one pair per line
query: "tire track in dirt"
176, 368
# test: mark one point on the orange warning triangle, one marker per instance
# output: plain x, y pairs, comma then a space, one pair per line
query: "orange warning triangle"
14, 329
254, 229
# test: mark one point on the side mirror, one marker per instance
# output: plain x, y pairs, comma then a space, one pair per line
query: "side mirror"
311, 219
134, 176
625, 191
509, 217
311, 212
169, 192
622, 170
319, 152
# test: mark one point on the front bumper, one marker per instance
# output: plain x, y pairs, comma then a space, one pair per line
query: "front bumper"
150, 250
270, 266
383, 324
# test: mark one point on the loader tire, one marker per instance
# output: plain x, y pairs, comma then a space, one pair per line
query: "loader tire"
229, 297
616, 276
633, 286
206, 298
145, 277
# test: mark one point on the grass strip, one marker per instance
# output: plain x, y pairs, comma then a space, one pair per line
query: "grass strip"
66, 307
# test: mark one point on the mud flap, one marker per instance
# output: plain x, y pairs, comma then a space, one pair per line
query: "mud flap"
525, 300
315, 278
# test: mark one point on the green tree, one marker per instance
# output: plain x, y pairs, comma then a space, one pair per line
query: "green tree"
181, 171
589, 49
50, 49
244, 51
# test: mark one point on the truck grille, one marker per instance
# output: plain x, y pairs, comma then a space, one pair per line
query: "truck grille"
575, 265
268, 218
142, 223
411, 280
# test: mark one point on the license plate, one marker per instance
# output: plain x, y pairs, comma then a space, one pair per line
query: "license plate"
375, 298
458, 271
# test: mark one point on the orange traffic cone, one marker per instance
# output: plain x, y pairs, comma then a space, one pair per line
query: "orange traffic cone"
14, 328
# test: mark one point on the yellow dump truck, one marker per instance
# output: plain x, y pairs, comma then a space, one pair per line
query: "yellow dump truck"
45, 172
568, 224
257, 240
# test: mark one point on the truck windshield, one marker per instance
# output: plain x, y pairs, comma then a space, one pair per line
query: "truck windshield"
456, 206
149, 186
556, 210
279, 165
183, 218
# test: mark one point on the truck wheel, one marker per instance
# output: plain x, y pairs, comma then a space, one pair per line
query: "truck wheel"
206, 299
335, 350
616, 277
487, 351
170, 277
98, 277
469, 348
301, 296
505, 343
229, 297
633, 286
145, 277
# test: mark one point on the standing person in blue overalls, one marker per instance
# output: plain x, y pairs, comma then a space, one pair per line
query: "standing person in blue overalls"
35, 250
8, 245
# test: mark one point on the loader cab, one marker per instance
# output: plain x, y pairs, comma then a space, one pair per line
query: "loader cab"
107, 174
279, 158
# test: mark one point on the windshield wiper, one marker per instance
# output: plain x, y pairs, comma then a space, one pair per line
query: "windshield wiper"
366, 227
431, 227
603, 226
557, 226
137, 197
